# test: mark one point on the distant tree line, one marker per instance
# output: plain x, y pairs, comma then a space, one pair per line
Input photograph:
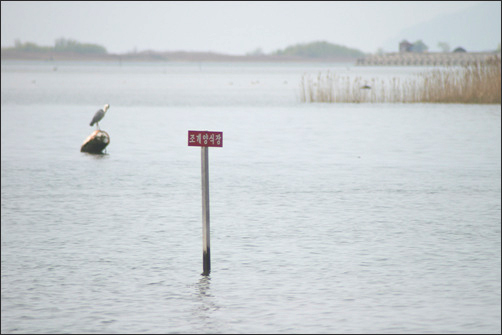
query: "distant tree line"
418, 46
64, 45
61, 45
319, 50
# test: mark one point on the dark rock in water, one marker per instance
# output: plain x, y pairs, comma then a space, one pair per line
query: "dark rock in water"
96, 142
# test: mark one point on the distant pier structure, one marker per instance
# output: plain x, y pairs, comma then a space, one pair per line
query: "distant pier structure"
426, 58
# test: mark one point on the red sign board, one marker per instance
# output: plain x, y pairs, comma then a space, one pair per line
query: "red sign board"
197, 138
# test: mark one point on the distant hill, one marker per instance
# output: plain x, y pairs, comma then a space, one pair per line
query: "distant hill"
319, 50
62, 45
311, 52
475, 29
73, 50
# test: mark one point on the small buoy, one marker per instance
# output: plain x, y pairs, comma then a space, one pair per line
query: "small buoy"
366, 87
96, 142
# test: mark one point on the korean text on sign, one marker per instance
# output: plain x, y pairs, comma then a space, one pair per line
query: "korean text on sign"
198, 138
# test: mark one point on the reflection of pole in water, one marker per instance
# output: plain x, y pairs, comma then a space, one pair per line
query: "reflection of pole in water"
203, 311
204, 286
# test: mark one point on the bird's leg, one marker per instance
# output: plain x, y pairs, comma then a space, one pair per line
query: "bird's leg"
97, 124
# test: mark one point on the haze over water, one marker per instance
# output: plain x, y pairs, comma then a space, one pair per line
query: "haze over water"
325, 218
240, 27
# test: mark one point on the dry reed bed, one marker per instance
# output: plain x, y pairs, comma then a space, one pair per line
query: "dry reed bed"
477, 83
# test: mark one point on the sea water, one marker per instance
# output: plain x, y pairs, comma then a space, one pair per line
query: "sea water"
325, 218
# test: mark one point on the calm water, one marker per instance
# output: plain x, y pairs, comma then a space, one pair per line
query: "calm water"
325, 218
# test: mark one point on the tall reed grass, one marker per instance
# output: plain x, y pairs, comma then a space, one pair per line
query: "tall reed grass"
477, 83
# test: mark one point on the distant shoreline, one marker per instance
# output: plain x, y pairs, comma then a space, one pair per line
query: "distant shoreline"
179, 56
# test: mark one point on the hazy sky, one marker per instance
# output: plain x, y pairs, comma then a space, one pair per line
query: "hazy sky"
224, 27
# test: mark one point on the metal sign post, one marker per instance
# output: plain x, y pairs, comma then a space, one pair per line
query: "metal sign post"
205, 139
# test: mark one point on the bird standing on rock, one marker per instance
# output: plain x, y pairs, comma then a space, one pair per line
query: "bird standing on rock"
99, 115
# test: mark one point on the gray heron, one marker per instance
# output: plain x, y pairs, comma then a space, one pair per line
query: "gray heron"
99, 115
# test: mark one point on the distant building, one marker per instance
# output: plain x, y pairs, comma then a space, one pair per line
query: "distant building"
405, 46
459, 49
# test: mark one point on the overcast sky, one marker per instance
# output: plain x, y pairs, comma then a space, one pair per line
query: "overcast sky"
223, 27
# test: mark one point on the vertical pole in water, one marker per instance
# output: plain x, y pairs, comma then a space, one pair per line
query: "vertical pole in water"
205, 139
206, 250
